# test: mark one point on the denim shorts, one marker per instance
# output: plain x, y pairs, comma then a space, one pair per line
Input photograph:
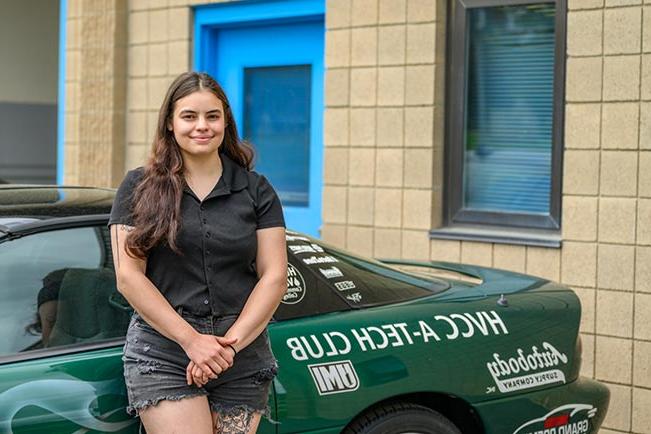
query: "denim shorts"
155, 366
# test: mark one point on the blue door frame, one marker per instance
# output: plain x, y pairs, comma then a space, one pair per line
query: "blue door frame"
209, 20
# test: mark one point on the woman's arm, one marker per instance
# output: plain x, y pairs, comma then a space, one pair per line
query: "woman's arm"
271, 264
206, 351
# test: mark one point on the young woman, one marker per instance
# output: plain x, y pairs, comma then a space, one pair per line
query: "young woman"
199, 250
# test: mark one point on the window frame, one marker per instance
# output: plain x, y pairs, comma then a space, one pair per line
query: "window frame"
457, 47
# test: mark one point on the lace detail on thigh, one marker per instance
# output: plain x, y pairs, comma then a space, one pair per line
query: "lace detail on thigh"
235, 421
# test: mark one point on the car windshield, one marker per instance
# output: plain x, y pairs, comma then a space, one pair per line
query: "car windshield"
362, 282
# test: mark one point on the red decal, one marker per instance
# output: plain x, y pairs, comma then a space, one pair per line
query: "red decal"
554, 421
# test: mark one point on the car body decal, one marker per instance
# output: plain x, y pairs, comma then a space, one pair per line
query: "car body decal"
566, 419
372, 338
76, 407
525, 370
334, 377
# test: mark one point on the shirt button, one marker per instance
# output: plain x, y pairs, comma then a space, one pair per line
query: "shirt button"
201, 207
206, 302
205, 221
207, 252
207, 234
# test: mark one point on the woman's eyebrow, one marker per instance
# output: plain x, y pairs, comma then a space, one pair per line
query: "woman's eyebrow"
184, 111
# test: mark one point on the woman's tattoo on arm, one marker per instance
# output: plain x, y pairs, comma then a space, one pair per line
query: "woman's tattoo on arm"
117, 242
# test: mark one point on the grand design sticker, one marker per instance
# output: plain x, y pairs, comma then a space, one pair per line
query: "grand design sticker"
295, 286
334, 377
374, 338
525, 370
566, 419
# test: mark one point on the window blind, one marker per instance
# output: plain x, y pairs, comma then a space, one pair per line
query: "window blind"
509, 109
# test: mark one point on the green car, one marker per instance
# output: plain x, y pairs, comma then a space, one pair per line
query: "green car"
363, 346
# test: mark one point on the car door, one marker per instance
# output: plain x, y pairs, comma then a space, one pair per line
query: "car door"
62, 325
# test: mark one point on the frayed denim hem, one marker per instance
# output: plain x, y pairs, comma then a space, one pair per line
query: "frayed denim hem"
138, 406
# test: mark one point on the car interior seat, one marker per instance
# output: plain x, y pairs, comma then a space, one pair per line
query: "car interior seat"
89, 308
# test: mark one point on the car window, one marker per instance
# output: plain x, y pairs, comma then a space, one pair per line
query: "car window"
359, 281
306, 295
57, 288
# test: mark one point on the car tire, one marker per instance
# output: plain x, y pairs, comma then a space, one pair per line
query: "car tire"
399, 418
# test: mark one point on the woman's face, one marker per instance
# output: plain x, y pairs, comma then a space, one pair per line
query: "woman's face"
198, 123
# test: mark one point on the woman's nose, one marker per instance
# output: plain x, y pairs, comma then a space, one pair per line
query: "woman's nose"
202, 124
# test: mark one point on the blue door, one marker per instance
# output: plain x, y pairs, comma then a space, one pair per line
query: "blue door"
272, 72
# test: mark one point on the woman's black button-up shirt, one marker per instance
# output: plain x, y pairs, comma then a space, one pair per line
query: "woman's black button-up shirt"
216, 272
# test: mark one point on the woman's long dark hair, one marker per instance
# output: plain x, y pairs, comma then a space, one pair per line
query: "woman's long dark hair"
156, 200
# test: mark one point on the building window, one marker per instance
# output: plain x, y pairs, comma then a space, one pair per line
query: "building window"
505, 117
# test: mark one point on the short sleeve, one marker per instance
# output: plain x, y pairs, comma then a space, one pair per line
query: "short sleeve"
122, 206
268, 209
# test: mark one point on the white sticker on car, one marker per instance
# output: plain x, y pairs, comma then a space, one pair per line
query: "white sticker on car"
331, 272
319, 260
305, 248
355, 297
525, 370
295, 238
295, 286
334, 377
566, 419
301, 248
345, 285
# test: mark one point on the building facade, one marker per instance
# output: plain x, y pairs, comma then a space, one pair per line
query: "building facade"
411, 88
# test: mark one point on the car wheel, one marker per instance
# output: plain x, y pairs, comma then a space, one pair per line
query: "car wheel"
401, 418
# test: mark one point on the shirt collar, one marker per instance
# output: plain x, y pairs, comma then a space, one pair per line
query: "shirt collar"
234, 178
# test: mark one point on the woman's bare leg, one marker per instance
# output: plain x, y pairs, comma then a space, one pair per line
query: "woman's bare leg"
187, 415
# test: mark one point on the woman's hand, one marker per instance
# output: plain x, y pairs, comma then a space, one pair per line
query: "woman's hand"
209, 356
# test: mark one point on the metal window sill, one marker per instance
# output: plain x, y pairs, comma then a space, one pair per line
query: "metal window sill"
501, 235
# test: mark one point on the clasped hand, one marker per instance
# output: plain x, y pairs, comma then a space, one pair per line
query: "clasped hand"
209, 356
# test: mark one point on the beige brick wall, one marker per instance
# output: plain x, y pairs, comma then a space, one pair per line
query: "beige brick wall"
95, 87
384, 161
383, 125
606, 195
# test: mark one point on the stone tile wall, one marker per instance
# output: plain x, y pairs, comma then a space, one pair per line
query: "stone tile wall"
383, 125
383, 166
606, 203
95, 87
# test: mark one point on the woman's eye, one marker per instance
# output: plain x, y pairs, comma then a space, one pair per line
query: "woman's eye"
213, 117
187, 117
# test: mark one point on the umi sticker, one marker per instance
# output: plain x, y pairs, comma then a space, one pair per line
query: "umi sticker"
334, 377
566, 419
295, 286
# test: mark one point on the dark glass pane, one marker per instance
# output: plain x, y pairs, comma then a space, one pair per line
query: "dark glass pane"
509, 103
359, 281
58, 289
277, 122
